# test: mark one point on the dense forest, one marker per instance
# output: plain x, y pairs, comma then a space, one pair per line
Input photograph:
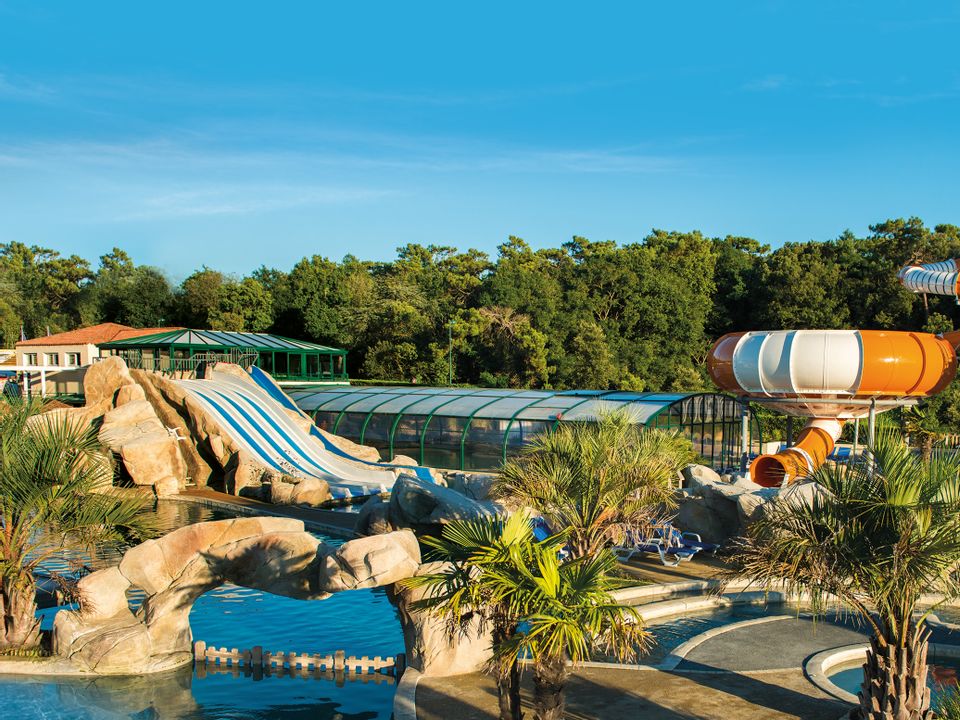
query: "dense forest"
591, 314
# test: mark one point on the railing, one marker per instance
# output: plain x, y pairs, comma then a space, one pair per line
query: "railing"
257, 662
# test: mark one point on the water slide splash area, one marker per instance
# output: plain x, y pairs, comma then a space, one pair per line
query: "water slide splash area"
829, 377
258, 421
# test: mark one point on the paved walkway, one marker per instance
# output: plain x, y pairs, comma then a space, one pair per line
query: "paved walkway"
650, 569
753, 672
603, 694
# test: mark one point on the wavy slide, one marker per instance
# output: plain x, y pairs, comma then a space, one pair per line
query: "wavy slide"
257, 422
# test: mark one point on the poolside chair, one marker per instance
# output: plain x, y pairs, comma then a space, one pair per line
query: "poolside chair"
541, 531
688, 540
633, 544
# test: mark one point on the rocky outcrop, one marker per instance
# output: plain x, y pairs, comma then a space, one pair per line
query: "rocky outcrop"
166, 398
150, 454
371, 562
272, 554
374, 517
415, 503
431, 645
476, 486
103, 380
719, 509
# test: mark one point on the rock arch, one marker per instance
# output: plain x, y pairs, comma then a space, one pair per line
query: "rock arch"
272, 554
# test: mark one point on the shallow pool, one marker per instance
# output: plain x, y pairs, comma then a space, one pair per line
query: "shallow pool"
360, 622
942, 674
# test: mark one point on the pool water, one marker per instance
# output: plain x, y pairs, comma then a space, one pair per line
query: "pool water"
360, 622
942, 674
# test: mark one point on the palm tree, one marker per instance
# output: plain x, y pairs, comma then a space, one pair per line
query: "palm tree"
52, 498
597, 479
879, 536
922, 428
461, 590
548, 610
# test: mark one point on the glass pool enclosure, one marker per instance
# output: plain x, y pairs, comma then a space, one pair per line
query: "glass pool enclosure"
477, 429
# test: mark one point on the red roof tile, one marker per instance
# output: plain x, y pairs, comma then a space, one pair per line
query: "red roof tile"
93, 335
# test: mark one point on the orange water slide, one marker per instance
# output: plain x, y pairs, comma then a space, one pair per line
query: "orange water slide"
826, 375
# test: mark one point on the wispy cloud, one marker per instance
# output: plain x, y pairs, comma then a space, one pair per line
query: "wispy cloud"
21, 89
768, 83
245, 199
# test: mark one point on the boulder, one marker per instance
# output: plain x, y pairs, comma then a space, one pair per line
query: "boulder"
311, 491
129, 393
103, 379
103, 593
281, 492
415, 502
750, 505
167, 486
696, 515
245, 471
477, 486
803, 492
373, 518
167, 399
694, 476
371, 562
154, 457
432, 645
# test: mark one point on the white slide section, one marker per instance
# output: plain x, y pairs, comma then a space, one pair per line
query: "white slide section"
939, 278
258, 424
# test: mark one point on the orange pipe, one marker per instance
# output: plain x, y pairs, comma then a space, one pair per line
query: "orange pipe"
811, 449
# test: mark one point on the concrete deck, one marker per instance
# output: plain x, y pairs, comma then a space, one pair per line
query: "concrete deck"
651, 570
753, 672
604, 694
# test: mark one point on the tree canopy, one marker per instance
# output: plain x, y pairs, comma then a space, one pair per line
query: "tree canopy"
587, 313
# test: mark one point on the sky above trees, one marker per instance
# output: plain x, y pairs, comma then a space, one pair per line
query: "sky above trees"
241, 134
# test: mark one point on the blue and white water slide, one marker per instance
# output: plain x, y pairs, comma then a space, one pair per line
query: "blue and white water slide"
252, 413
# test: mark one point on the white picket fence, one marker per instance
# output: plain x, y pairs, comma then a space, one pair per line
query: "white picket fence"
257, 661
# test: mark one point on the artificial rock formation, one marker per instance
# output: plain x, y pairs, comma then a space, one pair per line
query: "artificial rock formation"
721, 508
415, 503
432, 646
271, 554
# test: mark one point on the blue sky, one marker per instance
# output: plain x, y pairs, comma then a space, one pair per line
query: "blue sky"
237, 134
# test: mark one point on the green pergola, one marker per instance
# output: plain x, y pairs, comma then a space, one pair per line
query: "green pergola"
284, 358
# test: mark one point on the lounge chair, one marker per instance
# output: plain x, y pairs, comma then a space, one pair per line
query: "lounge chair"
689, 540
671, 556
541, 531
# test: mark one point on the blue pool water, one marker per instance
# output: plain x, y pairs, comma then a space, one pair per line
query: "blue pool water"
942, 674
359, 622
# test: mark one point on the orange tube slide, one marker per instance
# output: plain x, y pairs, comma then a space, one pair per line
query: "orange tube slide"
818, 370
812, 447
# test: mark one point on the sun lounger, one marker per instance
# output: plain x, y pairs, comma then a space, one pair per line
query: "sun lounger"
689, 540
669, 556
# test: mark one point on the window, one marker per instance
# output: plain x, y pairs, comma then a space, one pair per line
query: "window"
73, 358
29, 358
53, 358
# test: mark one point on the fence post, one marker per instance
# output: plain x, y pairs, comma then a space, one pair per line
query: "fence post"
199, 652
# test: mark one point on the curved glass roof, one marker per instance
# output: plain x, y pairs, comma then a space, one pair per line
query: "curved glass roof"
480, 428
485, 402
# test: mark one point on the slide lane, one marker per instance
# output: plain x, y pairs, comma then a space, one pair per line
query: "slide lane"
269, 386
267, 433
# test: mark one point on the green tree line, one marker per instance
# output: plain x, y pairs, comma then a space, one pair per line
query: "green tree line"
637, 316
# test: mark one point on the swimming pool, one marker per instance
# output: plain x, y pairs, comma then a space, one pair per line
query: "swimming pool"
361, 622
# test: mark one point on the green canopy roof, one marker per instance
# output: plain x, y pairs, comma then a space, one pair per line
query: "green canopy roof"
221, 339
